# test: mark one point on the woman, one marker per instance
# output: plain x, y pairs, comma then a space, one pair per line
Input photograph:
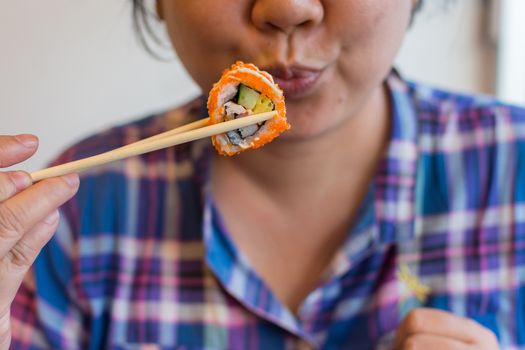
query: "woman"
295, 245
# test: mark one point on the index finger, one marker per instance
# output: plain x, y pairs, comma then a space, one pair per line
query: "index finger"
23, 211
16, 149
12, 182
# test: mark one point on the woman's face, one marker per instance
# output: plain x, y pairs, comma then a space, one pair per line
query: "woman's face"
328, 56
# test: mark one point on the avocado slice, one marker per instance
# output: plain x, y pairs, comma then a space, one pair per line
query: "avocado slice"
264, 104
247, 97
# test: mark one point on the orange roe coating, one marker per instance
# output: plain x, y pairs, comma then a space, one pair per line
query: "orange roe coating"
235, 76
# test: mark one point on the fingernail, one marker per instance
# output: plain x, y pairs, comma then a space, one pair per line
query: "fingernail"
20, 179
52, 218
27, 140
71, 179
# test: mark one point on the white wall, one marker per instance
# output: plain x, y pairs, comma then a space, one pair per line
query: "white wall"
511, 56
70, 68
450, 46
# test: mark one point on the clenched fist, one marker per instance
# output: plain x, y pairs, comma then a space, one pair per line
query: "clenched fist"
430, 329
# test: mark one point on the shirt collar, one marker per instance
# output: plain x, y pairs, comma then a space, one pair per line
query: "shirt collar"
395, 180
238, 278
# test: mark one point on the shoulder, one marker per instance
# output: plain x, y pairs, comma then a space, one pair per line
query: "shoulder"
112, 197
471, 150
452, 121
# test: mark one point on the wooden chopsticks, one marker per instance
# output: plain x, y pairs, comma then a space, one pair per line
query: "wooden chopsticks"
186, 133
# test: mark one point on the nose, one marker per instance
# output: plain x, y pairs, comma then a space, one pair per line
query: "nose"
286, 15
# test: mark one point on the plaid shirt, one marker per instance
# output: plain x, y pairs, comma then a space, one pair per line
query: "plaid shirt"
142, 260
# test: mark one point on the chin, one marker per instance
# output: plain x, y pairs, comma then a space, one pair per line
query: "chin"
304, 129
309, 121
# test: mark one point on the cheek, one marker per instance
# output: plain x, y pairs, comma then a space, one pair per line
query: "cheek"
205, 43
371, 42
374, 34
369, 37
355, 19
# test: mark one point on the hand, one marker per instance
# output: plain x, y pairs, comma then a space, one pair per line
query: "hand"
28, 219
432, 329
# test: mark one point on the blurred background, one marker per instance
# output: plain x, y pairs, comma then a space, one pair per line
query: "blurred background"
71, 68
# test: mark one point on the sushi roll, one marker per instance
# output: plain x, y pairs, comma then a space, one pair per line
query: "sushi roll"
244, 90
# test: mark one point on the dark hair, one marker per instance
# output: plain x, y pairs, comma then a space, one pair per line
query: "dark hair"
418, 7
142, 25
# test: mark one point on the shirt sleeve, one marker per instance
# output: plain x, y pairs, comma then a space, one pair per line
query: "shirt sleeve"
47, 312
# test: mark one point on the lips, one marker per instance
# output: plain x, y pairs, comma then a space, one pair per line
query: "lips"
296, 82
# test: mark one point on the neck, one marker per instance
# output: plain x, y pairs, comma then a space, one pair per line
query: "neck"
286, 168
